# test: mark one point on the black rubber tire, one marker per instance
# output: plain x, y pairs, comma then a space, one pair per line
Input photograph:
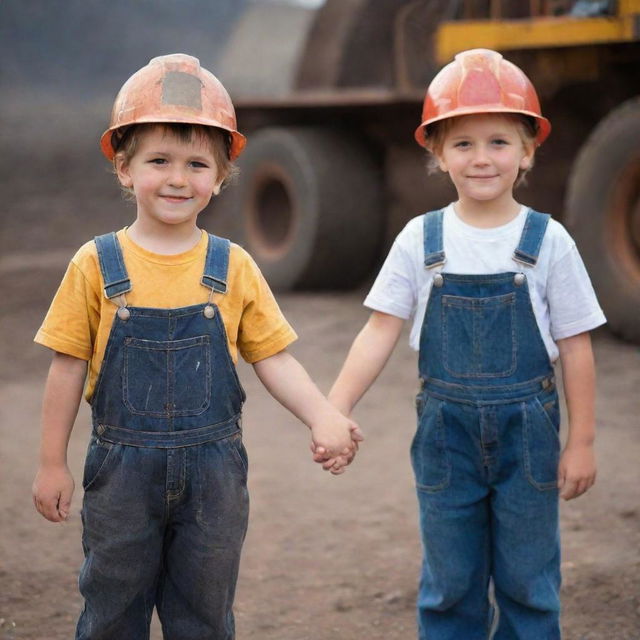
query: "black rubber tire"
308, 207
603, 215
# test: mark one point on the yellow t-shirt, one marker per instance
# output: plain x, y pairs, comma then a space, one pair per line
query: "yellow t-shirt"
79, 320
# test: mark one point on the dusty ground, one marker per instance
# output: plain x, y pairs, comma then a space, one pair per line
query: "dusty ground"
325, 557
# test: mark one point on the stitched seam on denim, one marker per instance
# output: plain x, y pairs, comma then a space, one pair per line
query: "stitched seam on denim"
170, 406
547, 418
178, 312
534, 382
229, 362
232, 442
103, 365
168, 434
170, 440
174, 494
99, 470
536, 248
106, 272
532, 258
469, 302
527, 443
218, 250
165, 345
433, 251
524, 254
460, 278
441, 440
118, 253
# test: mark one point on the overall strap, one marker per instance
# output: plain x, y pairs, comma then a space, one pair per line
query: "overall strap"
433, 242
216, 264
531, 239
114, 273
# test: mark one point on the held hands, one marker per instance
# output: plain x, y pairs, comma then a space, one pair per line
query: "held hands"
52, 490
576, 471
334, 441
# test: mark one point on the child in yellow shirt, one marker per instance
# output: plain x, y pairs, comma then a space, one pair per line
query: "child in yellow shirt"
159, 311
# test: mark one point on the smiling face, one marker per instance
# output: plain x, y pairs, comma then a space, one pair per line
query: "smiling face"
483, 155
172, 179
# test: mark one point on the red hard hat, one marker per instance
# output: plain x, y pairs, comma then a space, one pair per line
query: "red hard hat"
174, 88
481, 81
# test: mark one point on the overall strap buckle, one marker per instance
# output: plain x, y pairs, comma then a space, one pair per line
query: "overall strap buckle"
528, 249
433, 239
216, 264
114, 273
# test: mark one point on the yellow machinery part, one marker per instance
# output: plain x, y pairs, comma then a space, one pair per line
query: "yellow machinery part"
538, 33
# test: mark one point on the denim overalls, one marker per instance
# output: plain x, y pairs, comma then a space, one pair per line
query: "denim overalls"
166, 505
485, 454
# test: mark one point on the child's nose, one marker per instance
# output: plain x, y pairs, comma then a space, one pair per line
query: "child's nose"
177, 177
481, 156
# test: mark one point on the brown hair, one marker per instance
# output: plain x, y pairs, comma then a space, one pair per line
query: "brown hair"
436, 132
125, 143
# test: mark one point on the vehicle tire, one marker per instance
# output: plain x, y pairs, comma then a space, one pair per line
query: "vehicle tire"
603, 215
308, 207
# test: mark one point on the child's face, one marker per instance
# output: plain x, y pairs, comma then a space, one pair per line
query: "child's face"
483, 154
172, 180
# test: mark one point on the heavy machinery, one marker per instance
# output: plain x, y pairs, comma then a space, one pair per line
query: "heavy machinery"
329, 99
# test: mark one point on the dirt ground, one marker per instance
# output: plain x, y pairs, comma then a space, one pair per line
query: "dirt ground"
326, 557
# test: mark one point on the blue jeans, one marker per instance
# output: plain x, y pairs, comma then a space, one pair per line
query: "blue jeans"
486, 481
162, 527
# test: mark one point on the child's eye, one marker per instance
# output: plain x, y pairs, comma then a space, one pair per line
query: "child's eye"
199, 165
500, 141
463, 144
157, 161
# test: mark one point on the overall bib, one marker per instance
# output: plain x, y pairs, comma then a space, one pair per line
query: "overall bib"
166, 505
485, 454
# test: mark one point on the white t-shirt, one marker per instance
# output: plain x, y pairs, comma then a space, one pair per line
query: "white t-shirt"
562, 296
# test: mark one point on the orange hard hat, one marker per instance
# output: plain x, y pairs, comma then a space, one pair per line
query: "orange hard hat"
480, 81
174, 88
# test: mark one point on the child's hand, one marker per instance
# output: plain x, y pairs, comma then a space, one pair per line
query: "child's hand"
576, 471
334, 437
52, 491
337, 464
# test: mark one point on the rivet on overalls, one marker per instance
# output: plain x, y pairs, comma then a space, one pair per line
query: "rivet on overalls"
519, 279
123, 313
438, 280
209, 311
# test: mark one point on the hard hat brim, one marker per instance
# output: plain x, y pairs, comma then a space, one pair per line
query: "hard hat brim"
544, 126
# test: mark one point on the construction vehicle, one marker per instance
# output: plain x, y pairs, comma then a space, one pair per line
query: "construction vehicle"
332, 172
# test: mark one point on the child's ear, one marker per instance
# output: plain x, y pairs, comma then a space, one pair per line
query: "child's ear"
217, 187
122, 171
442, 164
527, 159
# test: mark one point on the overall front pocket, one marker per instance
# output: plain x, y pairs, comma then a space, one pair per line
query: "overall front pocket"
429, 455
478, 336
167, 378
96, 462
541, 442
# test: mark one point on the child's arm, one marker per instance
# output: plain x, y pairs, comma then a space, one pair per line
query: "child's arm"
53, 485
289, 383
366, 359
577, 468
